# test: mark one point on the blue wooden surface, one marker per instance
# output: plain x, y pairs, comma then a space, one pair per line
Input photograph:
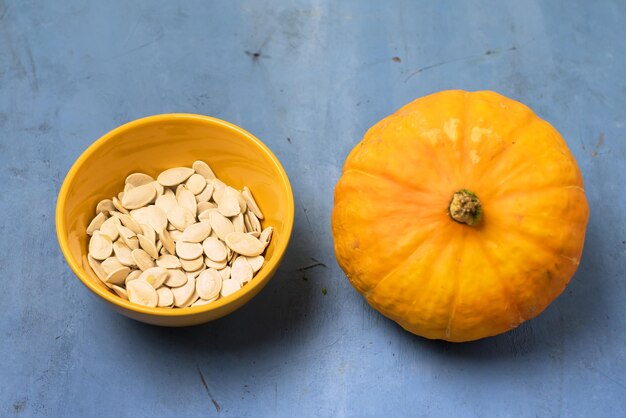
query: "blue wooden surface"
308, 78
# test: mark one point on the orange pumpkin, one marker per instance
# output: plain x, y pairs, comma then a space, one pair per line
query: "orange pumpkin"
460, 216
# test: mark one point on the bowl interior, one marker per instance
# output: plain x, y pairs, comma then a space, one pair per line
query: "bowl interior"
154, 144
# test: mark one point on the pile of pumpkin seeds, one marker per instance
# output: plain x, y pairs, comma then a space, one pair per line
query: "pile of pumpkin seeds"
184, 239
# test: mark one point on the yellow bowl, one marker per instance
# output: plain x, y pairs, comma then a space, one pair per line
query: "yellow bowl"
151, 145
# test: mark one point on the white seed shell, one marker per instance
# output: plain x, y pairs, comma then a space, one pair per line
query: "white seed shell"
196, 232
175, 278
117, 276
142, 259
228, 204
203, 169
96, 223
142, 293
121, 292
123, 253
180, 217
100, 246
221, 225
209, 284
229, 287
252, 205
214, 249
256, 262
244, 244
195, 184
138, 179
168, 261
139, 196
174, 176
156, 276
166, 297
109, 228
183, 294
205, 195
105, 206
241, 270
166, 202
188, 250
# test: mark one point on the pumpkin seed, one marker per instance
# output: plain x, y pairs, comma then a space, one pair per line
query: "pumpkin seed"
138, 179
142, 259
150, 215
256, 262
127, 221
133, 275
244, 244
166, 201
203, 169
148, 232
241, 270
196, 232
238, 223
118, 205
184, 293
180, 217
168, 242
209, 284
105, 206
229, 287
96, 267
166, 297
121, 292
100, 246
204, 206
254, 222
96, 223
110, 264
148, 246
205, 194
266, 235
168, 261
252, 205
156, 276
214, 249
142, 293
187, 200
192, 265
117, 276
123, 253
218, 190
174, 176
221, 225
225, 273
217, 265
158, 187
176, 235
196, 184
109, 228
139, 196
229, 205
188, 250
175, 278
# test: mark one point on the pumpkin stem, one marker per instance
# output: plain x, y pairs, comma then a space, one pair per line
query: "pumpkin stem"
465, 207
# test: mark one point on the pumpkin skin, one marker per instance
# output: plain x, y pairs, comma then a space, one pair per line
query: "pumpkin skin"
439, 278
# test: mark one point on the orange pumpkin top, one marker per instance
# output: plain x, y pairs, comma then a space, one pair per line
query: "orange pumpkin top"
460, 216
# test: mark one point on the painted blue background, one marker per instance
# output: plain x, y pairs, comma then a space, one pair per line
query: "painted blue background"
308, 78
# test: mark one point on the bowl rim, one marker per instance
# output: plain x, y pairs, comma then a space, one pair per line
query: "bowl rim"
262, 276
